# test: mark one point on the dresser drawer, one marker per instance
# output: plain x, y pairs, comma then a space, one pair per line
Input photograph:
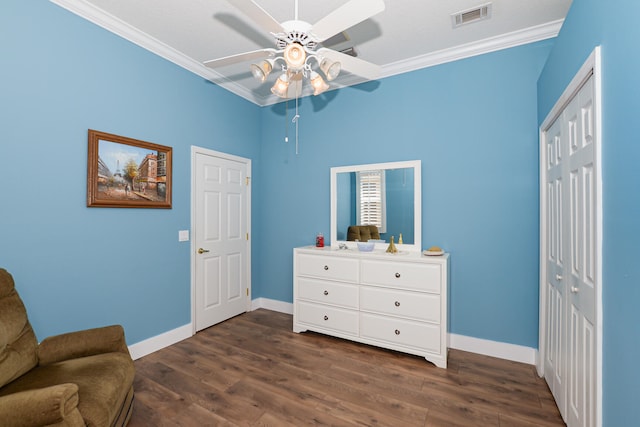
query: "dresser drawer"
326, 292
419, 306
327, 317
328, 267
423, 336
421, 277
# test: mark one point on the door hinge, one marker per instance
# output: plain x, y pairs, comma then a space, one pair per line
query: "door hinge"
248, 179
247, 291
247, 236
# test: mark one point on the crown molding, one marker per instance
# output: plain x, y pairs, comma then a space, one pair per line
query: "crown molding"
110, 23
101, 18
480, 47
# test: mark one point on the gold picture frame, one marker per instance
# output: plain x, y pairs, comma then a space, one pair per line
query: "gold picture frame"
127, 173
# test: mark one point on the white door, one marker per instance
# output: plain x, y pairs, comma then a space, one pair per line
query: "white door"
220, 236
554, 358
581, 272
571, 263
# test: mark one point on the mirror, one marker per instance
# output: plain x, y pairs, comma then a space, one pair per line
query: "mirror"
394, 202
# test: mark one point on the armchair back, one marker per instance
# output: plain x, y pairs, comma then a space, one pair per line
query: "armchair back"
18, 343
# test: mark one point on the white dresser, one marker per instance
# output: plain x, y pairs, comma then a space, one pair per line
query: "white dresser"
395, 301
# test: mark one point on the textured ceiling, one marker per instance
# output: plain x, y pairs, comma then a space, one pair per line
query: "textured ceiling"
407, 35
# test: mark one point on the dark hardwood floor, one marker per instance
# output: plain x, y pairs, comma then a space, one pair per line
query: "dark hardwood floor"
252, 370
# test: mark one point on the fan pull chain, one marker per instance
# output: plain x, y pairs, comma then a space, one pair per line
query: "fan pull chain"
286, 121
296, 121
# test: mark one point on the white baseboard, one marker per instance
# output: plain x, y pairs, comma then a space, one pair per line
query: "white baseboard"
161, 341
271, 304
513, 352
150, 345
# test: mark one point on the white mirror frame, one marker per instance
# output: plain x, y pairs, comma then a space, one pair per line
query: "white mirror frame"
417, 202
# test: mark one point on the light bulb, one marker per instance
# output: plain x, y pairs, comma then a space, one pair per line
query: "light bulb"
295, 56
318, 83
262, 69
281, 86
330, 68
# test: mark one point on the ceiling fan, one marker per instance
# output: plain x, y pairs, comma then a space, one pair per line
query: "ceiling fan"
299, 46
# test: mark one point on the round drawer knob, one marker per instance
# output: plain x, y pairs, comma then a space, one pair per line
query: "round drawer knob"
326, 317
326, 267
397, 332
397, 275
397, 303
326, 292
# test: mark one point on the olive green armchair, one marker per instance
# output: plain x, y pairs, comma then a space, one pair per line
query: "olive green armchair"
362, 233
81, 378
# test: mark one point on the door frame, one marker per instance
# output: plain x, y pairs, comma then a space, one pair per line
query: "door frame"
195, 150
592, 67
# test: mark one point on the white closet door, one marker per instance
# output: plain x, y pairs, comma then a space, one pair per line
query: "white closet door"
554, 357
582, 270
571, 261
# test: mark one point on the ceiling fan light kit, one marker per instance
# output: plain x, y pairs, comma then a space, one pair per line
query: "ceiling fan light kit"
281, 86
297, 44
295, 57
262, 69
331, 69
318, 83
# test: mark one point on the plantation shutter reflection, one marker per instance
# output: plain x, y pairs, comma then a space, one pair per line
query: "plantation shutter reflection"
371, 199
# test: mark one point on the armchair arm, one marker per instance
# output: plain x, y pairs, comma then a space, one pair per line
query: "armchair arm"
89, 342
40, 407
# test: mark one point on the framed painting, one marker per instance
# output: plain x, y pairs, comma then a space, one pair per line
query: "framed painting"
127, 173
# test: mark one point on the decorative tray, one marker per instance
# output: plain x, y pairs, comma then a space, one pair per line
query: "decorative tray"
432, 253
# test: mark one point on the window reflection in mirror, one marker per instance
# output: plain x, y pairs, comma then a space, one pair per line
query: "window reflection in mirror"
385, 194
379, 197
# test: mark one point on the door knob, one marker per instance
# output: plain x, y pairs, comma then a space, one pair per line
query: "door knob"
558, 277
202, 251
574, 289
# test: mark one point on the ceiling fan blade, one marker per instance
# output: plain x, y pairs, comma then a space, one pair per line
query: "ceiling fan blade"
351, 64
242, 57
346, 16
258, 15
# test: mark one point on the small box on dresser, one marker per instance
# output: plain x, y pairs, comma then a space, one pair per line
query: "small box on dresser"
395, 301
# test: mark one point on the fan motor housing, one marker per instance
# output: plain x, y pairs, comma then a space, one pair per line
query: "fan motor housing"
296, 32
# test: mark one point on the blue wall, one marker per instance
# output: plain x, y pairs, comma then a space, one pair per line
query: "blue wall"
591, 23
79, 267
473, 124
400, 207
346, 206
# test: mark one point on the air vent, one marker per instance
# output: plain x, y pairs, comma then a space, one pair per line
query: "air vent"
469, 16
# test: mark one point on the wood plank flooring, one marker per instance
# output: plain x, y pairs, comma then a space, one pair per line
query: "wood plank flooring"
252, 370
